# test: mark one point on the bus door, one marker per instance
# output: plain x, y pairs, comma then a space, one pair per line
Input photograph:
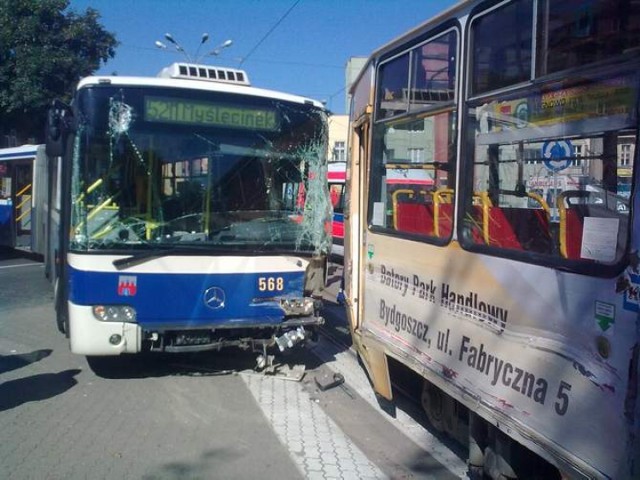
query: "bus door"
7, 233
23, 174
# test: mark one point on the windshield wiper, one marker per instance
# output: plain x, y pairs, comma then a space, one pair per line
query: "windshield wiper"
146, 255
141, 257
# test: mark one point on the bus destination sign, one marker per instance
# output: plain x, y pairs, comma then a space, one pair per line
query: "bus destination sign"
188, 112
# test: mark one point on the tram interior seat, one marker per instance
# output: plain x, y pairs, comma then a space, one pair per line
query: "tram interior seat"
443, 212
444, 220
412, 211
518, 228
424, 213
571, 231
414, 217
501, 232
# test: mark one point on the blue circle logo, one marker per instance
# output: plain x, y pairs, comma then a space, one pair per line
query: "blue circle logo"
557, 155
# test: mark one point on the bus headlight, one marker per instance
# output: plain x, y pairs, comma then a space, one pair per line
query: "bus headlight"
114, 313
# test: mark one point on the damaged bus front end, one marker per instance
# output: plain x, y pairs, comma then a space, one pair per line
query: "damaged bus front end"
195, 215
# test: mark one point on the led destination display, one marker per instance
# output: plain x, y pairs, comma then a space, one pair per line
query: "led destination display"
172, 110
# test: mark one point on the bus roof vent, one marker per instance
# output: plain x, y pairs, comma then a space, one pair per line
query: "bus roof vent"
208, 73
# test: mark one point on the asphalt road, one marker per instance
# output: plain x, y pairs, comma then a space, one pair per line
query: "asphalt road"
202, 415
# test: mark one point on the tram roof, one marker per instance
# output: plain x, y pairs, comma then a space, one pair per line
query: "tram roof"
404, 37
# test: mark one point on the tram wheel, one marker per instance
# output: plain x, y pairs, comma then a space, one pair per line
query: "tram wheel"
433, 404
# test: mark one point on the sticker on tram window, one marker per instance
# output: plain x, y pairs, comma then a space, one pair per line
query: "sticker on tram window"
270, 284
605, 316
630, 285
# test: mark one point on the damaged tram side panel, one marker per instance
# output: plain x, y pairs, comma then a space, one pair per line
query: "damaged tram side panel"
491, 244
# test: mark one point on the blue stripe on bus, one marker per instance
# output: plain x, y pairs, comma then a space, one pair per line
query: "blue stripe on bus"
178, 299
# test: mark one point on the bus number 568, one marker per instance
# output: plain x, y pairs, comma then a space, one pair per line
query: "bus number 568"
270, 284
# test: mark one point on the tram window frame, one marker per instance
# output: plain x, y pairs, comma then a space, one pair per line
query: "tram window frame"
499, 47
516, 116
570, 21
393, 74
438, 116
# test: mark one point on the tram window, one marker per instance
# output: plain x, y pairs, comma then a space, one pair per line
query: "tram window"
434, 72
502, 59
394, 82
413, 194
532, 196
575, 32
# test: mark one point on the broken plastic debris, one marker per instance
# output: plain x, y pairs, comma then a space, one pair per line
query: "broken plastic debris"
326, 381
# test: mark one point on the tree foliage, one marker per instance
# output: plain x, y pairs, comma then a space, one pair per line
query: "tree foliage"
44, 50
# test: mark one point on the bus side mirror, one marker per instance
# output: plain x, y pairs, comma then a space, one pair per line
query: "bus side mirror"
58, 128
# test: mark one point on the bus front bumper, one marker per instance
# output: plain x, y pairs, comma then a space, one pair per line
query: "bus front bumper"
90, 336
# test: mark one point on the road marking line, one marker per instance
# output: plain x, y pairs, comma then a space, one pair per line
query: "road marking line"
22, 265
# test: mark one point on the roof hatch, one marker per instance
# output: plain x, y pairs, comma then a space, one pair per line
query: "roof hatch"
191, 71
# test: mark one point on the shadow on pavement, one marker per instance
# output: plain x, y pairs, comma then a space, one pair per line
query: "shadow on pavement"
36, 387
7, 253
200, 468
335, 325
19, 360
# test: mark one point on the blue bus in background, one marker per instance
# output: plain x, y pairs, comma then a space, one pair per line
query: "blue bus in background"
23, 197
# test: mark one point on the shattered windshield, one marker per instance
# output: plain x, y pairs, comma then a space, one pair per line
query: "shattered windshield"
160, 168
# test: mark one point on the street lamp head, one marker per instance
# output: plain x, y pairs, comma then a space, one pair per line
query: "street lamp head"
203, 39
216, 51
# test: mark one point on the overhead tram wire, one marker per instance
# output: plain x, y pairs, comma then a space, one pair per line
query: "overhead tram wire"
269, 32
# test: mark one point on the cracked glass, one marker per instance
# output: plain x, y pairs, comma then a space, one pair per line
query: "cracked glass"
182, 169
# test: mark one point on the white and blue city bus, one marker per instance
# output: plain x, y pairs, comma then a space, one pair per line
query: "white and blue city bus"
182, 222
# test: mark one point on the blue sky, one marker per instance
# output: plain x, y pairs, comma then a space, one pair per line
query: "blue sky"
305, 53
